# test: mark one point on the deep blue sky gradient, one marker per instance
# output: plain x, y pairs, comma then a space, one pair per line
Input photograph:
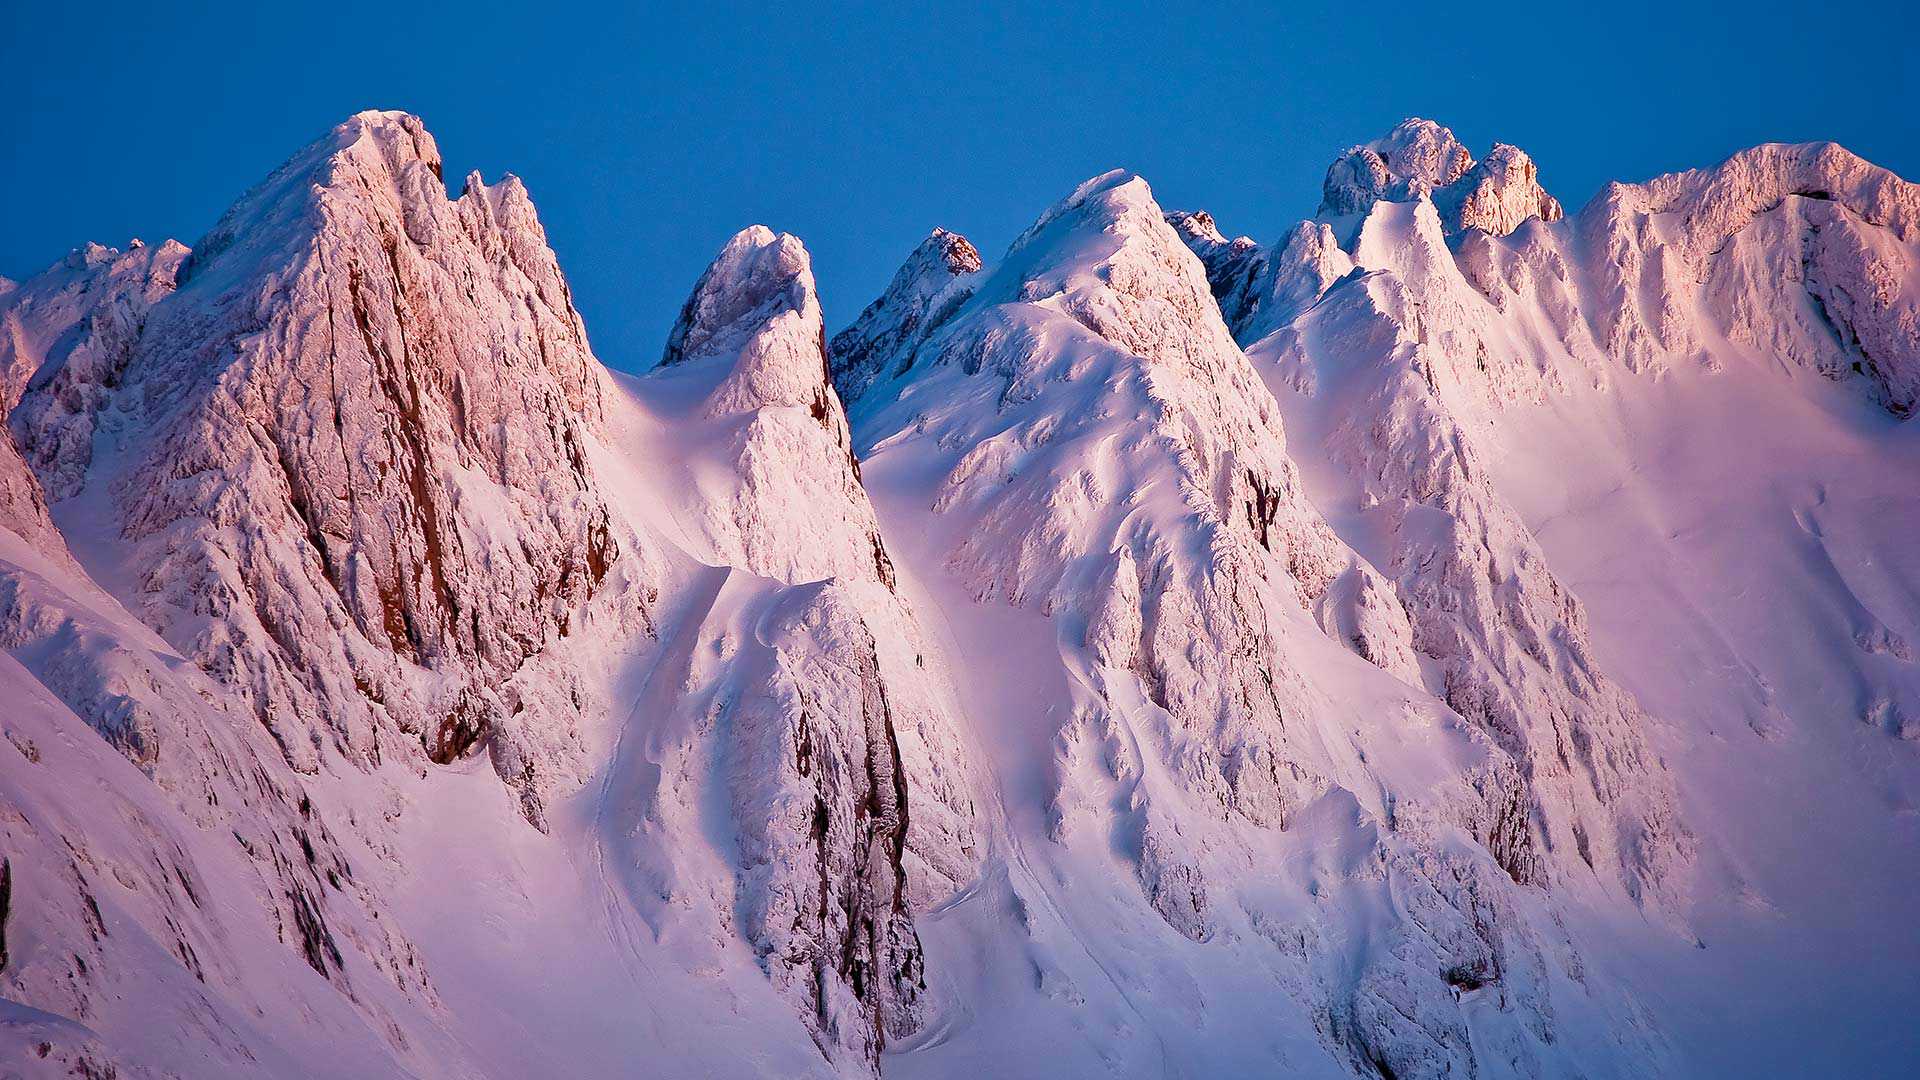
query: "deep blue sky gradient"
648, 135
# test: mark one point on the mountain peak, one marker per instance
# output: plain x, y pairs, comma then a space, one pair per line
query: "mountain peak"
1496, 195
759, 276
1422, 159
928, 288
1414, 158
757, 307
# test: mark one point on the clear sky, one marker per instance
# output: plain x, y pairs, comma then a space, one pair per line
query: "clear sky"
649, 134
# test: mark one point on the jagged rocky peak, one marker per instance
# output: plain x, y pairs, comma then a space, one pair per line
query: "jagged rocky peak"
927, 289
1496, 195
1413, 159
1713, 204
84, 310
1203, 234
1802, 251
375, 403
1420, 158
1231, 264
1124, 273
787, 501
757, 306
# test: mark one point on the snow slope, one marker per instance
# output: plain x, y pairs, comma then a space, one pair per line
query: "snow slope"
1454, 639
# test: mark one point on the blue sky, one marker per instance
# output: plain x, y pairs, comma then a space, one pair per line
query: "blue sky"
649, 134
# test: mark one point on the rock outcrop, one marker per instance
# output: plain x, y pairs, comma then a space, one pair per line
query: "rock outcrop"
367, 404
934, 281
833, 748
1421, 159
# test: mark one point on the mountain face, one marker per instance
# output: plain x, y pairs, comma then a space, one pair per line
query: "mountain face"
1152, 653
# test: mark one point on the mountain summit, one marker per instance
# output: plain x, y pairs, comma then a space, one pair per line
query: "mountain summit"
1453, 638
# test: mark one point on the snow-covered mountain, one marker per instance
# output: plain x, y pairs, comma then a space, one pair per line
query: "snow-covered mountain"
1457, 638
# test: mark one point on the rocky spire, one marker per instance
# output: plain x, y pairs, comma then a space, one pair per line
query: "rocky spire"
1413, 159
1231, 264
1420, 158
934, 281
757, 308
1496, 195
383, 398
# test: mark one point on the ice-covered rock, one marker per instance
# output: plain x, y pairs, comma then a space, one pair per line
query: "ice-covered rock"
366, 406
1496, 195
1420, 159
1415, 158
69, 334
1231, 265
1186, 675
1109, 459
924, 292
834, 749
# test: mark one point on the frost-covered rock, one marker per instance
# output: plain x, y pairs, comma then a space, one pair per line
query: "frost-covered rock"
842, 767
1187, 675
1111, 461
1496, 195
163, 869
924, 292
1420, 159
69, 334
1415, 158
1507, 641
1231, 265
367, 406
1803, 251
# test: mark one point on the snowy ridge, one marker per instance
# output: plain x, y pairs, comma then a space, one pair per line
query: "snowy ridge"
934, 281
1119, 468
815, 717
1454, 639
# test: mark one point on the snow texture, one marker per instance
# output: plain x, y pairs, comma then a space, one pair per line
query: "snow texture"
1455, 639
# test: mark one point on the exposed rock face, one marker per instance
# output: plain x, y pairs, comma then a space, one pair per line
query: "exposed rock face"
822, 796
840, 764
23, 507
1232, 265
369, 404
934, 281
1496, 195
68, 334
1263, 288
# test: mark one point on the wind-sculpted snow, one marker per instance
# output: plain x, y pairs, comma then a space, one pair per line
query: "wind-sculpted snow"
812, 718
1804, 252
1167, 663
169, 875
1111, 460
1407, 368
1509, 643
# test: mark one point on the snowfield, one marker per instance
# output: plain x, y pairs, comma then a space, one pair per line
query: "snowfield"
1462, 637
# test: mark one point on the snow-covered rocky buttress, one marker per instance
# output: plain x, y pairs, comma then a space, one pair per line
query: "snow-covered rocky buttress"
1455, 639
